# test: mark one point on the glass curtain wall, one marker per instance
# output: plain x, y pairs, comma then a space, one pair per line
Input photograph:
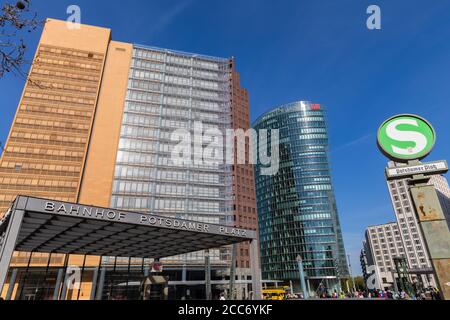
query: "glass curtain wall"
296, 207
167, 91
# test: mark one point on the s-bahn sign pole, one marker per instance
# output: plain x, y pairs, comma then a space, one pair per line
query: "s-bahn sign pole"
408, 139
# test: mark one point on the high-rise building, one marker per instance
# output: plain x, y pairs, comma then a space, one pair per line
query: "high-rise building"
296, 206
383, 243
95, 126
415, 248
244, 193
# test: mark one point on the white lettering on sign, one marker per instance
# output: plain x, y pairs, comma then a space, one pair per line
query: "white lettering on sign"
189, 225
174, 223
232, 231
137, 218
49, 206
82, 211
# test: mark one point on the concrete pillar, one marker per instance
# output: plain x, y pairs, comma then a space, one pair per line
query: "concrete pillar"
256, 270
435, 231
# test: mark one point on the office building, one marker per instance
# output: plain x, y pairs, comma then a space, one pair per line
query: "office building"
382, 244
415, 248
296, 206
95, 126
402, 238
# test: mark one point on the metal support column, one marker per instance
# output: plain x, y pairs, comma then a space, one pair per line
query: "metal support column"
59, 279
64, 288
101, 282
12, 281
308, 287
351, 274
231, 295
208, 276
256, 270
81, 277
9, 243
94, 284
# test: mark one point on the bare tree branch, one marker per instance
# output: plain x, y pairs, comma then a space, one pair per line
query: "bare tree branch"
15, 19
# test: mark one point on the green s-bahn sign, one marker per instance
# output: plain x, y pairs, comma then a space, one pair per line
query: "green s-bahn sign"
406, 137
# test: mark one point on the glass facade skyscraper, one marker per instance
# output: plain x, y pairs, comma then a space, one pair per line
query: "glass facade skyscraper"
296, 207
169, 90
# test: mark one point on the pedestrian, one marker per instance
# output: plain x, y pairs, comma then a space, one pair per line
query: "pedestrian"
435, 294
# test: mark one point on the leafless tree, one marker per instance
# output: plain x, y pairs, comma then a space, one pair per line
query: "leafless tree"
15, 20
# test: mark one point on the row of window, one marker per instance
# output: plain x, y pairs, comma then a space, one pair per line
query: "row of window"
68, 99
176, 69
68, 63
160, 204
46, 138
149, 97
54, 110
40, 166
145, 159
41, 151
52, 123
38, 182
129, 172
178, 80
66, 75
70, 53
165, 189
70, 88
175, 59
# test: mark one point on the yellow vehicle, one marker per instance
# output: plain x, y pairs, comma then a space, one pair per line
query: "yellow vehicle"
274, 294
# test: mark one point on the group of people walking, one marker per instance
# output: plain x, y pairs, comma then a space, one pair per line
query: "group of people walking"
429, 294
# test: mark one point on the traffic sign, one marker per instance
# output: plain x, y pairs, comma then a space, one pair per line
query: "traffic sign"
406, 137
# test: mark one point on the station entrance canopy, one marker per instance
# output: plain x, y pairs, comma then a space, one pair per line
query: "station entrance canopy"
47, 226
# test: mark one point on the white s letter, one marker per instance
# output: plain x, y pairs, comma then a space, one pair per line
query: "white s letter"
405, 136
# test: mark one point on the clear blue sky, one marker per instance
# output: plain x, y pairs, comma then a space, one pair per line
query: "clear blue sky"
316, 50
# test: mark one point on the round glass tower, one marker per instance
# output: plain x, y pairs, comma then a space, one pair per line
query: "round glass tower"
296, 206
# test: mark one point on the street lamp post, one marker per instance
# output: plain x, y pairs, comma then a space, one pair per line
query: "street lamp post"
302, 277
351, 274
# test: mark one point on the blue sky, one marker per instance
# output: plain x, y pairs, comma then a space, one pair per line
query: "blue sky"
317, 50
